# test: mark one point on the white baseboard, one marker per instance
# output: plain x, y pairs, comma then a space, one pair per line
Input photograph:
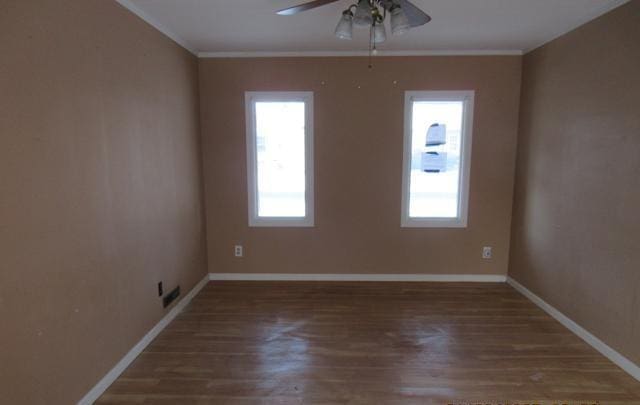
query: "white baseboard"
113, 374
467, 278
621, 361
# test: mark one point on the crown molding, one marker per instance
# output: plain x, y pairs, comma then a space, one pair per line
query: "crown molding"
308, 54
129, 5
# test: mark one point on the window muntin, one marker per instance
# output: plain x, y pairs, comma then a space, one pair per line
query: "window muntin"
280, 158
437, 152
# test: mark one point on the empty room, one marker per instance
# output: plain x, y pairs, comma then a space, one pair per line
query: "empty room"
320, 202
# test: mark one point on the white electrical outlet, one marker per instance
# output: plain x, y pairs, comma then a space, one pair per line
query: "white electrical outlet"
487, 252
237, 250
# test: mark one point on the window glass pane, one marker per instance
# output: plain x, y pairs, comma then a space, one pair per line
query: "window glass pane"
436, 138
280, 153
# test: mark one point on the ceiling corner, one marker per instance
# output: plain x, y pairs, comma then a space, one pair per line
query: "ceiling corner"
129, 5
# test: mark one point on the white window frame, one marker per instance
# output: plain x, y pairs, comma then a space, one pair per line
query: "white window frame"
251, 98
467, 97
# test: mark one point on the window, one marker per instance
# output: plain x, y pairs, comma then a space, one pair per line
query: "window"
437, 157
280, 158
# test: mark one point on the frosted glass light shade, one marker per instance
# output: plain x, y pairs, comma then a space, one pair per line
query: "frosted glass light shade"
344, 29
379, 33
363, 14
399, 21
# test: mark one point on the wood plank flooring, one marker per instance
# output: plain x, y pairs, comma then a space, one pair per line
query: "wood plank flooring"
368, 343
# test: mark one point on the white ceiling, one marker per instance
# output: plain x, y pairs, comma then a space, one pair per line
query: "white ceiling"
230, 27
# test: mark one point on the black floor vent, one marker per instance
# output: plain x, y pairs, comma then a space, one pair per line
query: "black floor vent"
171, 296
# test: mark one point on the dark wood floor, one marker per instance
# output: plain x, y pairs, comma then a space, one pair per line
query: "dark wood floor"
368, 343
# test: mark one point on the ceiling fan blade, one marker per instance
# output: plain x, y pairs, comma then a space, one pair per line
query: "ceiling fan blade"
304, 7
416, 16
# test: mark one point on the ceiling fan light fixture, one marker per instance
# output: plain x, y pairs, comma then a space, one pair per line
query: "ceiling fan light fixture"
379, 33
344, 29
363, 16
370, 14
399, 21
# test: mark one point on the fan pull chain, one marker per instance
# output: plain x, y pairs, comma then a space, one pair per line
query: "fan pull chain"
371, 45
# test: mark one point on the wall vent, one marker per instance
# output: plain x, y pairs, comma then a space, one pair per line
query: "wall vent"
169, 298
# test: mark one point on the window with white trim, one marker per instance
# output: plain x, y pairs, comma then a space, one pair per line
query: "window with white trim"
437, 158
280, 158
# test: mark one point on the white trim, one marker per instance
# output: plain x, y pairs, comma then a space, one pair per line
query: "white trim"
467, 98
621, 361
129, 5
455, 278
605, 8
303, 54
251, 97
113, 374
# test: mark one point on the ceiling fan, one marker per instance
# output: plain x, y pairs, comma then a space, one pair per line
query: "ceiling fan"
370, 13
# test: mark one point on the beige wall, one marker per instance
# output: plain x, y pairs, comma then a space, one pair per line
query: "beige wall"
100, 191
576, 228
358, 165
